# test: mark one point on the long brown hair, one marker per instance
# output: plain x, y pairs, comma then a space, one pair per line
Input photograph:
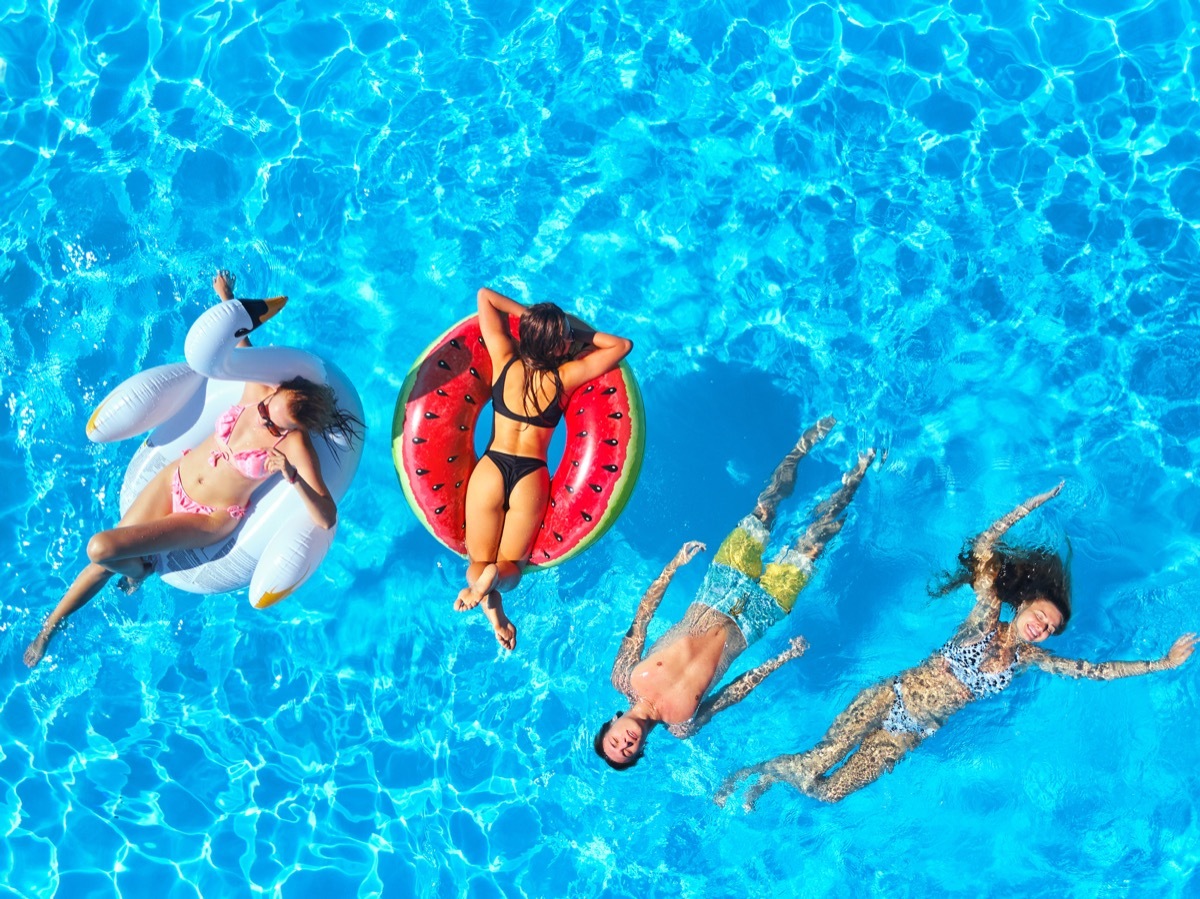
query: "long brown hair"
314, 407
1022, 575
543, 346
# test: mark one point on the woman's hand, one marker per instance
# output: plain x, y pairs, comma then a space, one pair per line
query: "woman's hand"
278, 462
1181, 650
688, 551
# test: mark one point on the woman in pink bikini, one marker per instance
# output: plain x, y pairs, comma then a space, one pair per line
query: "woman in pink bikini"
201, 500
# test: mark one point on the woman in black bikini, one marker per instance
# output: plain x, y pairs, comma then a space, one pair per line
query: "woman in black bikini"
510, 486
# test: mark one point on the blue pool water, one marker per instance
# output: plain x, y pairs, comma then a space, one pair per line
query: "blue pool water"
968, 229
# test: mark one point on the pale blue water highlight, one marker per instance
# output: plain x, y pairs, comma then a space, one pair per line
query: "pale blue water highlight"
966, 229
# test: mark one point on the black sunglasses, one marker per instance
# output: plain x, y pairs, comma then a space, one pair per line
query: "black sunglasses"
273, 429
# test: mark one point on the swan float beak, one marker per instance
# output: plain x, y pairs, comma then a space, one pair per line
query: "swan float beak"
260, 310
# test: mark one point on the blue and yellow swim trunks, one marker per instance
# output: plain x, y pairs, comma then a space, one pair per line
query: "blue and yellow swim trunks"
738, 584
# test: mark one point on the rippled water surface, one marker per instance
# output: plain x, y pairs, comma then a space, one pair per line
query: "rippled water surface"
966, 229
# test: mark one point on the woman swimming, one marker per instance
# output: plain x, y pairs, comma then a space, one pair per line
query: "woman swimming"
201, 500
887, 720
533, 377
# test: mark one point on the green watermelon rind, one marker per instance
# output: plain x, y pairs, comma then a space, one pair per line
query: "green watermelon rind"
622, 490
624, 487
399, 416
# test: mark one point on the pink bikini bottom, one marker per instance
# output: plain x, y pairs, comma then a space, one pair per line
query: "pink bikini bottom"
181, 502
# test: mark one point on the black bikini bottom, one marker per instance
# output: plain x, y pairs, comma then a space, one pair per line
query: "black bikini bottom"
513, 469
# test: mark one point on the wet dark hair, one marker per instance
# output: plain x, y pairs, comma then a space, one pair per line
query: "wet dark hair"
544, 345
315, 408
1022, 575
598, 745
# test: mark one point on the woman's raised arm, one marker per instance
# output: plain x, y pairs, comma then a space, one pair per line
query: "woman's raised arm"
987, 605
494, 310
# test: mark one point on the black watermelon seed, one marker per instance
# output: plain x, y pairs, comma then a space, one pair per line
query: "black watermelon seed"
546, 554
590, 388
611, 441
580, 411
570, 489
438, 486
553, 504
441, 392
611, 468
574, 463
481, 343
596, 487
609, 392
558, 536
474, 373
470, 399
586, 517
429, 415
581, 434
439, 510
615, 415
454, 343
450, 459
419, 440
421, 472
464, 427
457, 484
442, 363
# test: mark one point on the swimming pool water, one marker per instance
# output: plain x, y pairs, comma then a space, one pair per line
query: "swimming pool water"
967, 229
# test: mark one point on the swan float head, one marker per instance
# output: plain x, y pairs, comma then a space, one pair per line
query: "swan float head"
209, 347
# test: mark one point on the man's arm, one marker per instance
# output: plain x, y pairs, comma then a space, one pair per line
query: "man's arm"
739, 688
630, 651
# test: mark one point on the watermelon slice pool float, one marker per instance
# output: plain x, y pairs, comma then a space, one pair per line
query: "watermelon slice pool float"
433, 446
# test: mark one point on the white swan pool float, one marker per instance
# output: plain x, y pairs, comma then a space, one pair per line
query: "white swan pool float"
277, 546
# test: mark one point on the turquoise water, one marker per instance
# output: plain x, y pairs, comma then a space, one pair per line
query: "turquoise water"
966, 229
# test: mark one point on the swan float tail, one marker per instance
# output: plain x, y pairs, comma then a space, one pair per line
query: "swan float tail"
143, 402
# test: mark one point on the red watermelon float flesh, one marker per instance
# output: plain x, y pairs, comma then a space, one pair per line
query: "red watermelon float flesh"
433, 436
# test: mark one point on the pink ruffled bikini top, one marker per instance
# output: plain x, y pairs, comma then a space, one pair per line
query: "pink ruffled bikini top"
249, 462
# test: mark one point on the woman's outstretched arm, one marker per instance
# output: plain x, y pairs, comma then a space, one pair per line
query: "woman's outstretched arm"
738, 689
1176, 656
987, 605
630, 651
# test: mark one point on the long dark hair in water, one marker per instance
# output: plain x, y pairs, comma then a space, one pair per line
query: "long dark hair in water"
1022, 575
543, 346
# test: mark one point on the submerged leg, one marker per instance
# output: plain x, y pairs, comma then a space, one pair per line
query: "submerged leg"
864, 715
830, 515
859, 725
876, 755
784, 477
85, 586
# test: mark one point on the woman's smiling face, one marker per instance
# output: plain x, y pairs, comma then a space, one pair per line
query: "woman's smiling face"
1037, 620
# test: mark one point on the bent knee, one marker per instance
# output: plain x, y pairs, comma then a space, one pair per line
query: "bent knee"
100, 548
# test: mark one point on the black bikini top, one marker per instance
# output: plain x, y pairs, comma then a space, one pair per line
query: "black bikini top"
547, 419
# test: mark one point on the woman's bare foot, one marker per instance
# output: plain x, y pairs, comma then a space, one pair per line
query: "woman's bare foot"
470, 597
506, 631
37, 649
130, 584
224, 283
